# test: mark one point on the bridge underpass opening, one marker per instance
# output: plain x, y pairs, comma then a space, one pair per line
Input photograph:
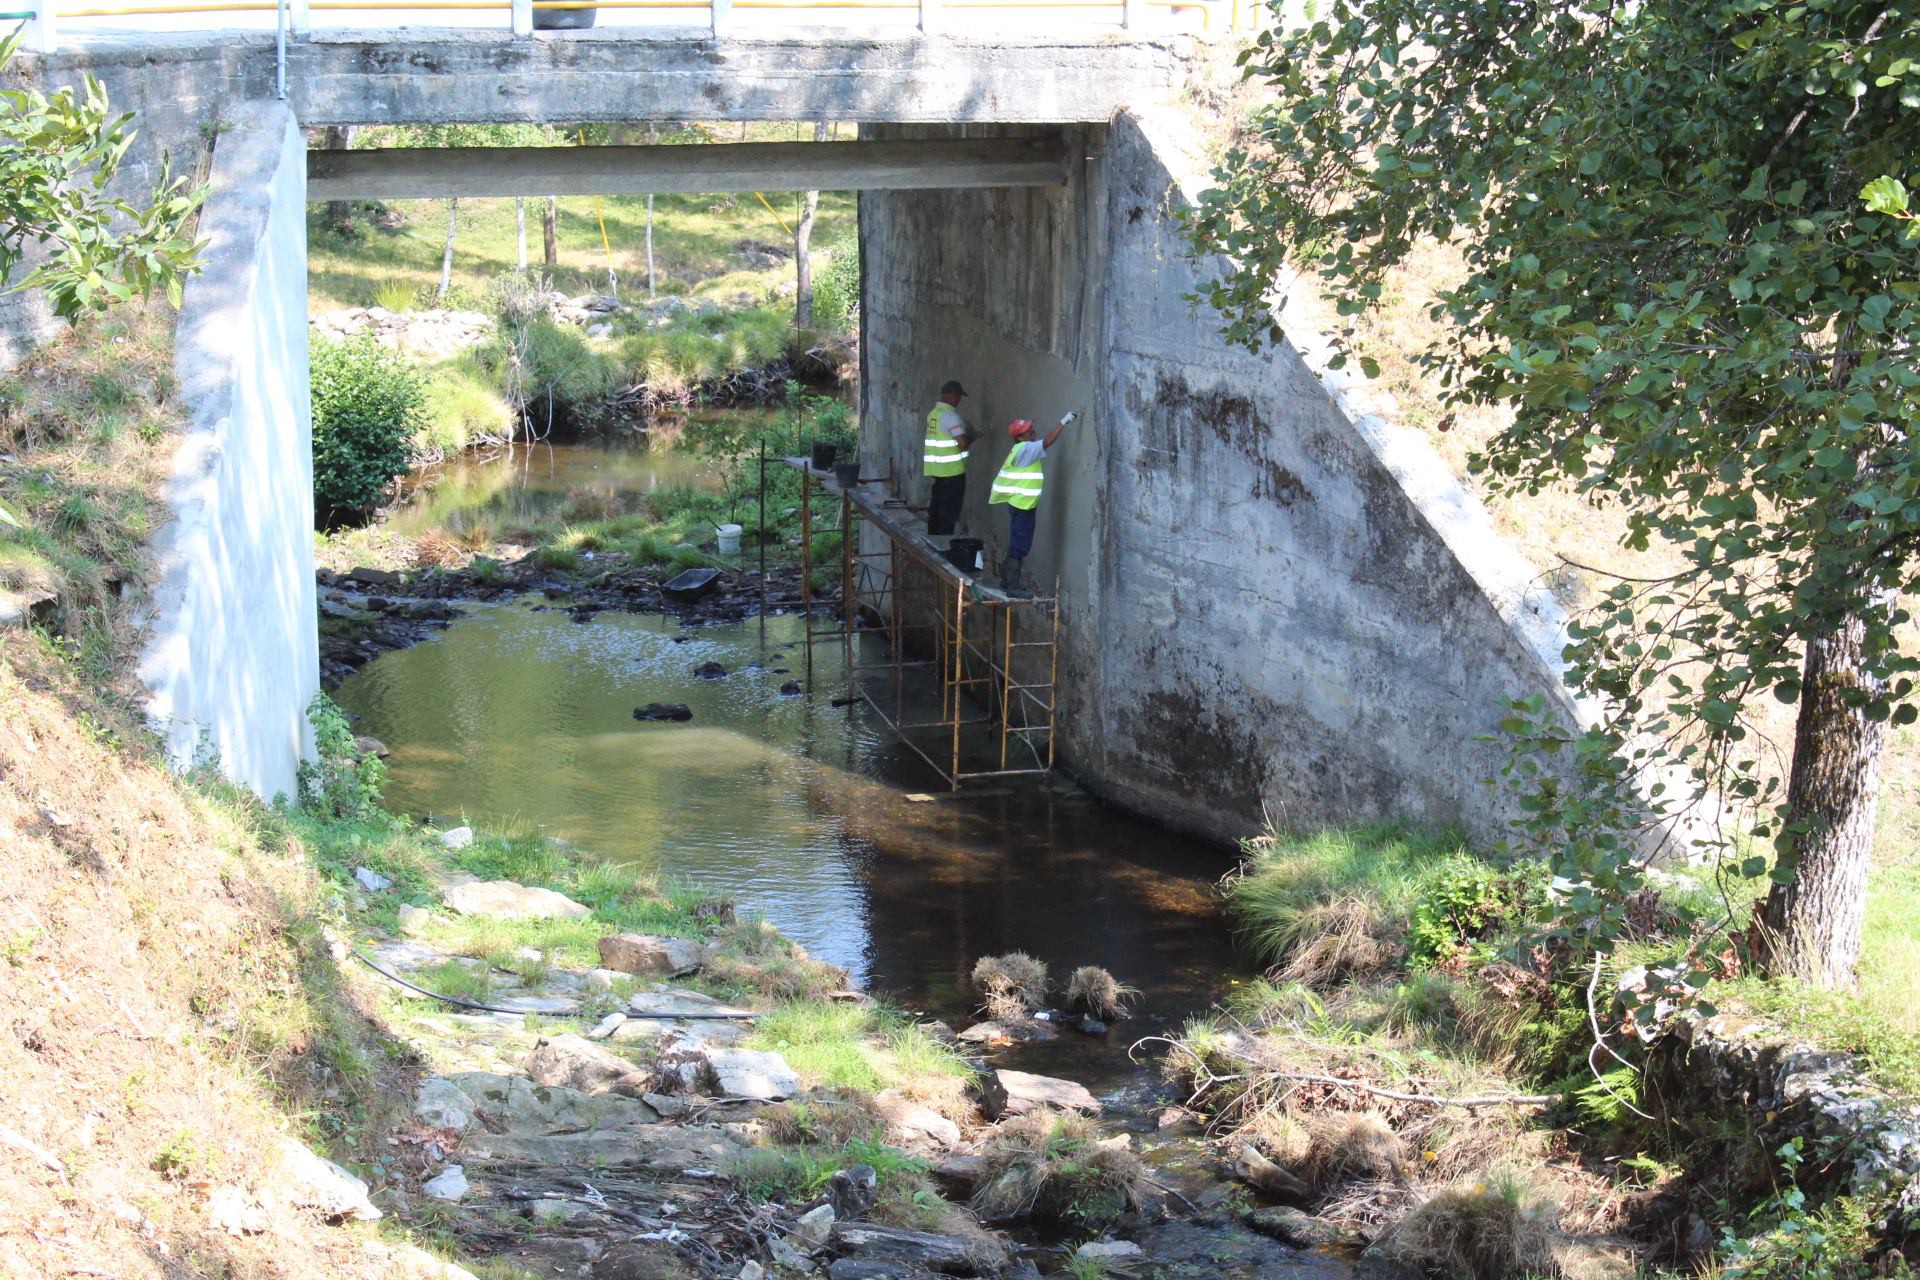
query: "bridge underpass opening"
988, 661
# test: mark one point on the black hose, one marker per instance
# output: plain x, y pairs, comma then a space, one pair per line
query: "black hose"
456, 1001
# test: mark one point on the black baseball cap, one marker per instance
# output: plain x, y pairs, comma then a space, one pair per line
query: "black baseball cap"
952, 389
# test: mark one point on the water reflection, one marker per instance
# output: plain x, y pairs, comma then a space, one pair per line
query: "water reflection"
802, 811
525, 485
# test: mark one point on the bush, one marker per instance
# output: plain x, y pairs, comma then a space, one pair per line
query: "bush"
339, 781
836, 286
367, 405
1466, 905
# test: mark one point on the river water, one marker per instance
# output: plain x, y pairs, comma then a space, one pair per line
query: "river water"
807, 813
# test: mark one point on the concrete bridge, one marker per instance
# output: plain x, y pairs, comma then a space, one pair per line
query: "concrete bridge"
1275, 601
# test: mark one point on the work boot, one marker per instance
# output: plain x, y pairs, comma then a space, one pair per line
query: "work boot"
1011, 579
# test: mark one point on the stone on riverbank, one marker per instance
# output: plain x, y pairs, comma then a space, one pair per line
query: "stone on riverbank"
663, 711
505, 900
449, 1184
913, 1126
1299, 1228
648, 954
950, 1255
457, 838
1014, 1032
695, 1066
573, 1063
304, 1180
440, 1103
1015, 1093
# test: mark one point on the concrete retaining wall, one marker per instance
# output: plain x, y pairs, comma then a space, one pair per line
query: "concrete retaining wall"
232, 656
1276, 602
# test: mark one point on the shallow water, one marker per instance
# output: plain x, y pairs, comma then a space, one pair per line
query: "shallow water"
530, 483
809, 814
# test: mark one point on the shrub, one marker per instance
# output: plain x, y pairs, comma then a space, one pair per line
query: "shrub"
367, 405
836, 286
1466, 904
1052, 1168
339, 781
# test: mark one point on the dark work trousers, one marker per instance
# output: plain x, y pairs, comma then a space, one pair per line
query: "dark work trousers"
1020, 532
943, 506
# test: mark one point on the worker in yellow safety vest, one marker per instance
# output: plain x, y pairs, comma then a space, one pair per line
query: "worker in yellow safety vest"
1021, 479
948, 440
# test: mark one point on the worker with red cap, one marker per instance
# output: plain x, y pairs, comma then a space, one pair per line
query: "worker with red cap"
944, 461
1021, 479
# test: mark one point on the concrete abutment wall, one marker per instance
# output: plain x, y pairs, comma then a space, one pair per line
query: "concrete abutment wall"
1276, 604
232, 653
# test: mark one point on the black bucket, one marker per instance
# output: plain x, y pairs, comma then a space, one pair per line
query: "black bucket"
846, 473
823, 453
964, 553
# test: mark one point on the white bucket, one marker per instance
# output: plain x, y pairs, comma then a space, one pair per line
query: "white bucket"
729, 539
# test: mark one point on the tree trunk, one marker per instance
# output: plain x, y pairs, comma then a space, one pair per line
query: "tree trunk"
550, 231
339, 137
802, 242
520, 228
1810, 927
650, 139
446, 257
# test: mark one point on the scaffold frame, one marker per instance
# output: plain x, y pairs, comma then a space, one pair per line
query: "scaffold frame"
993, 657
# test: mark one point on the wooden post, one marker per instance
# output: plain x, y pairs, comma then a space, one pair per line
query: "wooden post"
522, 17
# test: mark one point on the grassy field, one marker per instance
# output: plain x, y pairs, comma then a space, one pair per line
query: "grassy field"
710, 246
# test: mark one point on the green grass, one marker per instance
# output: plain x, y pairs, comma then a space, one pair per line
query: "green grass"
835, 1044
696, 247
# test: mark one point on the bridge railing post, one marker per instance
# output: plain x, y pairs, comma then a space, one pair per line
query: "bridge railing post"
299, 17
522, 17
929, 16
43, 33
721, 12
1131, 12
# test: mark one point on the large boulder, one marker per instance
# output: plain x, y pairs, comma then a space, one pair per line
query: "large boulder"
924, 1250
303, 1180
696, 1066
648, 955
505, 900
569, 1062
1015, 1093
439, 1102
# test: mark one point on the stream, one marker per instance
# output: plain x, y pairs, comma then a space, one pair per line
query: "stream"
808, 814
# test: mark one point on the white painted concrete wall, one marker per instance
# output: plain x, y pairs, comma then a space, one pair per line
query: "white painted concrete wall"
232, 655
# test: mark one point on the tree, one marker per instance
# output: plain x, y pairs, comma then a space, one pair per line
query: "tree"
803, 247
339, 137
1675, 285
59, 156
550, 233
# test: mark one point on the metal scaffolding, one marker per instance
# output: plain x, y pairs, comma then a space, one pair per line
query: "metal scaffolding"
988, 707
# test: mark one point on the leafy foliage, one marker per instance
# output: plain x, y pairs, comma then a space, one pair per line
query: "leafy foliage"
58, 156
339, 780
367, 405
1691, 282
1464, 906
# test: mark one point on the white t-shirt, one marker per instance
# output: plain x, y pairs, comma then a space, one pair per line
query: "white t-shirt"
1028, 452
951, 422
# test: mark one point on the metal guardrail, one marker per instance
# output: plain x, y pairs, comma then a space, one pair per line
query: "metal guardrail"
48, 20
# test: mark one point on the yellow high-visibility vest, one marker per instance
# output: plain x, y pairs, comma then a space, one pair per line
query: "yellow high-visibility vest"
944, 455
1017, 485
